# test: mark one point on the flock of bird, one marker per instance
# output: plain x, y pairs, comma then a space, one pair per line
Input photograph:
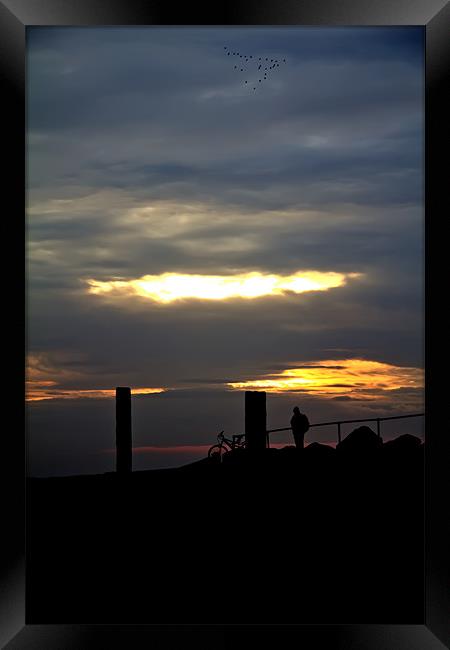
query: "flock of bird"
262, 65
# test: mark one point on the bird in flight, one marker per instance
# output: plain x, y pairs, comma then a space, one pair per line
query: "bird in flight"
251, 65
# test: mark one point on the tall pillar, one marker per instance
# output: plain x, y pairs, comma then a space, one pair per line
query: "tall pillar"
255, 420
123, 430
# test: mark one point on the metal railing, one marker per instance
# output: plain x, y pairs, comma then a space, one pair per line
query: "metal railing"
323, 424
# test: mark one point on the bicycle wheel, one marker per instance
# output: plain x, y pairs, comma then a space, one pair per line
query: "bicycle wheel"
217, 452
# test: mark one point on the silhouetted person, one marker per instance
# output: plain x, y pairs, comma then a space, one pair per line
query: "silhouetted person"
299, 425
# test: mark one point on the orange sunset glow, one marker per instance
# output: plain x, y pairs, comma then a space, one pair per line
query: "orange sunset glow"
47, 379
168, 287
39, 391
343, 377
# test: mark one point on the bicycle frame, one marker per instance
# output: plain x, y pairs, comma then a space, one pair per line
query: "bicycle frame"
235, 443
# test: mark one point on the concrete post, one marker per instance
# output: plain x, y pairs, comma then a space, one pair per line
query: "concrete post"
123, 430
255, 420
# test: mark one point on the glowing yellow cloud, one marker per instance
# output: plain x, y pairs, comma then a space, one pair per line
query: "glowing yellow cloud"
40, 391
344, 377
45, 378
168, 287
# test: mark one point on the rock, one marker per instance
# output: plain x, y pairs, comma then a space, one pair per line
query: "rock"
360, 441
404, 451
402, 444
318, 450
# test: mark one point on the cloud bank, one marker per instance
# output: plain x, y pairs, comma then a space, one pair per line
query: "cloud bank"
147, 156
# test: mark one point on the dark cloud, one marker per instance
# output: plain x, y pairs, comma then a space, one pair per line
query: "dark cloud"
146, 154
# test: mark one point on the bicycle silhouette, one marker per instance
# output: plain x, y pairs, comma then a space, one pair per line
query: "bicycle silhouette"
225, 445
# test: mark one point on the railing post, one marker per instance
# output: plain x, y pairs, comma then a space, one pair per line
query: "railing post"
378, 428
339, 431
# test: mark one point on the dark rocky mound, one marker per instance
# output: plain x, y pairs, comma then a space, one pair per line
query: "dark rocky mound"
319, 451
406, 451
360, 441
403, 444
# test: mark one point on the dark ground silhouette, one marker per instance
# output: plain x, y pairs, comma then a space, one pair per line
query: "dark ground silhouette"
287, 536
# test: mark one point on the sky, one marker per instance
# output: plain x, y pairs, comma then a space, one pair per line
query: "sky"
193, 232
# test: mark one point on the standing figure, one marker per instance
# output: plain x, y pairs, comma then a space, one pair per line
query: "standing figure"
299, 425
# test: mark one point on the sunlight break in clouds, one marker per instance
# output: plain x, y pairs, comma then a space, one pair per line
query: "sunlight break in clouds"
357, 378
39, 391
169, 287
47, 379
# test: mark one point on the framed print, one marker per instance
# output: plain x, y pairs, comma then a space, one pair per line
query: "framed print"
231, 425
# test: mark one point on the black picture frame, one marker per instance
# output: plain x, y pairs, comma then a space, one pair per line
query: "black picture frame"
433, 15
